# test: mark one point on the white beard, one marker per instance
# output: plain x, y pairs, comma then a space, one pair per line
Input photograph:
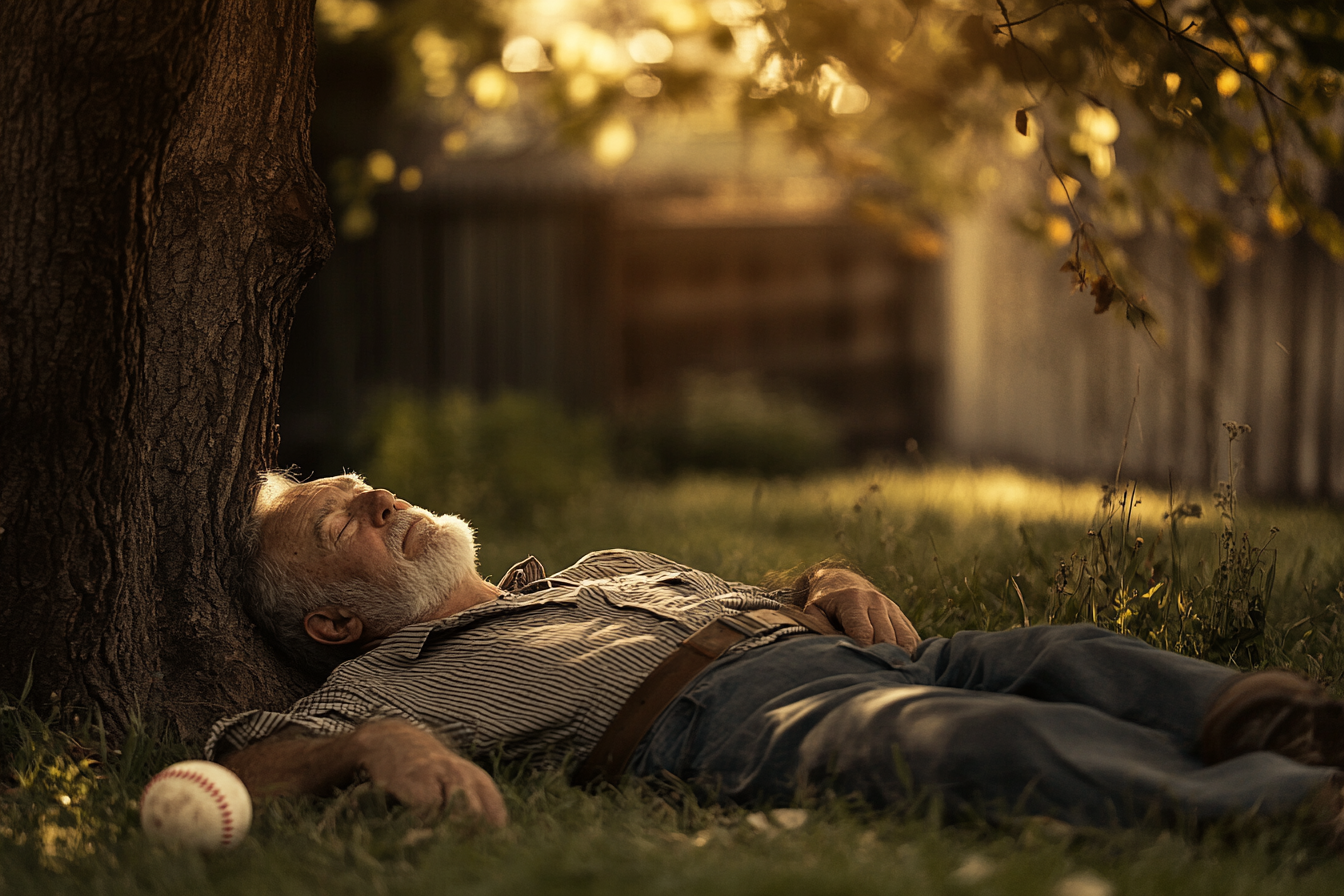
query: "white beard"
445, 560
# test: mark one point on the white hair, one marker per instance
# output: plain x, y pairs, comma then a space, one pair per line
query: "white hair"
278, 597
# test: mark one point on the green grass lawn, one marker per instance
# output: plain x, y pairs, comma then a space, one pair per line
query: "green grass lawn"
953, 545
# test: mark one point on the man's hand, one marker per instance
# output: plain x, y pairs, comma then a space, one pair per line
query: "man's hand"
409, 763
848, 601
415, 767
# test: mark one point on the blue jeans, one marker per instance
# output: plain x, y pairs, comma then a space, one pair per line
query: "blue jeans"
1073, 722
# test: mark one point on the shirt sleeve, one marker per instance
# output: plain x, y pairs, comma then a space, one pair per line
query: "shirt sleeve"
326, 713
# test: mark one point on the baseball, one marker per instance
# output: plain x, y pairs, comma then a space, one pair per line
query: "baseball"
196, 804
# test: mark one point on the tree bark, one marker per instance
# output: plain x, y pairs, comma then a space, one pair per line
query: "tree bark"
160, 219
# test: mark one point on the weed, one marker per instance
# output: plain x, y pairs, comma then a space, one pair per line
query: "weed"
1152, 590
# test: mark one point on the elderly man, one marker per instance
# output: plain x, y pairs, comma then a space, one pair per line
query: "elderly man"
630, 663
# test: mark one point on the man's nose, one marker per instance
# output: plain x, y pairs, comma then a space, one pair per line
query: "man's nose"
379, 506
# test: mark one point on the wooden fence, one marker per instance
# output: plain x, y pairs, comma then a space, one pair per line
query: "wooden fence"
828, 310
566, 296
466, 292
1037, 379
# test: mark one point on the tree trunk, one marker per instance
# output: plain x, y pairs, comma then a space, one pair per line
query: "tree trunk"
160, 218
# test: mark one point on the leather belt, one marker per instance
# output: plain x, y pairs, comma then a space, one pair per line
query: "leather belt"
609, 758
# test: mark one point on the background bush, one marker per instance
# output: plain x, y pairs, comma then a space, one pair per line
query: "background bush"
514, 459
517, 459
730, 423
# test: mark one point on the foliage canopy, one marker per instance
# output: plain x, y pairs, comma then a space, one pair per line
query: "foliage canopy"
921, 105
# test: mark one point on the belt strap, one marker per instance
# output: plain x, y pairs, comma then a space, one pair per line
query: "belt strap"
609, 758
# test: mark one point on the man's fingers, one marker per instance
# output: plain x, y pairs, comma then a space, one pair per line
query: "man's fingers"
423, 798
473, 796
884, 631
460, 802
477, 798
457, 799
907, 637
855, 622
493, 810
817, 613
456, 788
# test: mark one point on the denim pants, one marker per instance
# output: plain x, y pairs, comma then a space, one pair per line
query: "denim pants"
1072, 722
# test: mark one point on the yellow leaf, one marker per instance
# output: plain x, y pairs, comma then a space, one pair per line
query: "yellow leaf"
1058, 230
381, 166
1061, 193
1281, 215
1263, 62
491, 88
1228, 83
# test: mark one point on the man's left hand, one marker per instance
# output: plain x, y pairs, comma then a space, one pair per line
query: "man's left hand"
852, 604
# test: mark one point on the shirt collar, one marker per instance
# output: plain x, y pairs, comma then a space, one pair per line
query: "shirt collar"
522, 574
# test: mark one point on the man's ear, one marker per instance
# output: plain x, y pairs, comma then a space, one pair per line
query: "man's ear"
333, 625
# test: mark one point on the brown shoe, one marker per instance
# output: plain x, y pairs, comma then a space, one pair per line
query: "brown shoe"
1278, 711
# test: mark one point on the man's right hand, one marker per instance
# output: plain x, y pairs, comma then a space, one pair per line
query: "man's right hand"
415, 767
409, 763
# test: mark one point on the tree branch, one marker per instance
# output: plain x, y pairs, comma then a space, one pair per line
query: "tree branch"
1030, 17
1173, 34
1015, 41
1274, 153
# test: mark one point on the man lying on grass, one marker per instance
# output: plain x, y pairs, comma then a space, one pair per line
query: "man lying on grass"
633, 664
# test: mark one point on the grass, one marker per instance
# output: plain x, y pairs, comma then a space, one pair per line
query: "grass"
953, 545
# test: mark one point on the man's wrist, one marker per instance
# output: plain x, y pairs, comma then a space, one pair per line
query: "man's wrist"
290, 762
376, 739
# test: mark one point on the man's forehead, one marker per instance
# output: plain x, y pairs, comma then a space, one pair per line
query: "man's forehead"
346, 483
306, 500
331, 486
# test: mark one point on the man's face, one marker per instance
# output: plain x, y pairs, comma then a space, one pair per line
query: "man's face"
401, 562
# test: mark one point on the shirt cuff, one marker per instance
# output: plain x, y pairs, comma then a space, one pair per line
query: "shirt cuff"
243, 730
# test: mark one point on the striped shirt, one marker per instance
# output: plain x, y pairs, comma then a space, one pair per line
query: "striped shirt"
539, 672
